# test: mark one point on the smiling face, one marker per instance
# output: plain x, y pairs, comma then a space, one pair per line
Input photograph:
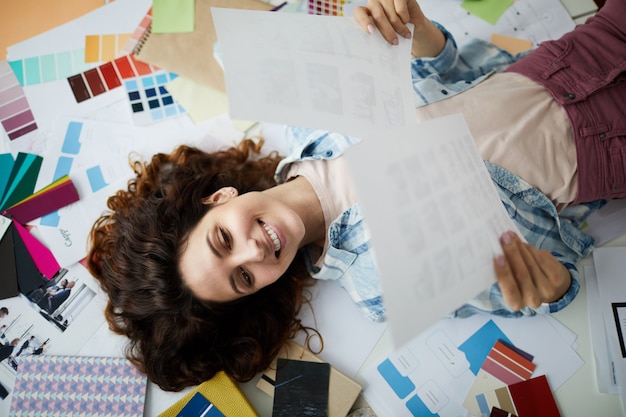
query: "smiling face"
239, 246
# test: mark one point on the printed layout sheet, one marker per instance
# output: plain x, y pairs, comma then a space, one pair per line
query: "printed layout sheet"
435, 218
313, 71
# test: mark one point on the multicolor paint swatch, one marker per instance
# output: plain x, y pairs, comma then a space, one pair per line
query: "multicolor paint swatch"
71, 386
504, 365
15, 115
51, 198
507, 364
103, 48
149, 99
107, 76
326, 7
138, 36
49, 67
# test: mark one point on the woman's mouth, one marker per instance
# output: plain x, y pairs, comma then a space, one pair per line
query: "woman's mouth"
273, 237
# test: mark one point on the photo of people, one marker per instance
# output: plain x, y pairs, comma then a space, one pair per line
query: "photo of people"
62, 312
60, 299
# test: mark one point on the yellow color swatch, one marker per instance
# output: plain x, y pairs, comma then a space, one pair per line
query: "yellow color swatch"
104, 48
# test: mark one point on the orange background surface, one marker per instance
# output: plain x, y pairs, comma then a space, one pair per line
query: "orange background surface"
23, 19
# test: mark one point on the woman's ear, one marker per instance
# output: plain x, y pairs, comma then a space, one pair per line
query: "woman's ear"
221, 196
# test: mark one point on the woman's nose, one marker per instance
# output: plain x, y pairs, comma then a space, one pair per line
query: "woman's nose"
252, 251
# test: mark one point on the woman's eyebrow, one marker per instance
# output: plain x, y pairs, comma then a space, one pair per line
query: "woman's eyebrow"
213, 248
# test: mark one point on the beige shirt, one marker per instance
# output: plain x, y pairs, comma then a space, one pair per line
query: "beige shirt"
517, 125
332, 182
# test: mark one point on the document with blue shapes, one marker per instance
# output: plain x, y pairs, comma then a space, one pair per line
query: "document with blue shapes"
432, 374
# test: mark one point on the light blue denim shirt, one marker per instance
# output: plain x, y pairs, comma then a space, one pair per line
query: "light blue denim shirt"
350, 258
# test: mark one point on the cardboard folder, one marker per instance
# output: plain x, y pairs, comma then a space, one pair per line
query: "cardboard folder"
190, 54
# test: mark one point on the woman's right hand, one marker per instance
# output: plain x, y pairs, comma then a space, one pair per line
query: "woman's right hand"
391, 17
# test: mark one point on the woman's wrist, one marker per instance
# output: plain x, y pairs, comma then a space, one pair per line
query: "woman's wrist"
428, 39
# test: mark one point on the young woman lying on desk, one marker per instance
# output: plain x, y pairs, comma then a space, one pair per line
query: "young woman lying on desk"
205, 256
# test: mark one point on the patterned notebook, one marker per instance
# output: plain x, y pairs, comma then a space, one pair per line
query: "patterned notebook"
73, 386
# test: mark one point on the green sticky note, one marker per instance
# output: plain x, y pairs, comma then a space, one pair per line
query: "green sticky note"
488, 10
173, 16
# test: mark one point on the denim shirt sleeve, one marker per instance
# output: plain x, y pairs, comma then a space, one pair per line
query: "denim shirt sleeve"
456, 69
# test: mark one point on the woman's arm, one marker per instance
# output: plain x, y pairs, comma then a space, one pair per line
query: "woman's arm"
391, 17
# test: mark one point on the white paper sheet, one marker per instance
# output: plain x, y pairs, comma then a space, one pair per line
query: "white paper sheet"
597, 332
435, 218
610, 266
314, 71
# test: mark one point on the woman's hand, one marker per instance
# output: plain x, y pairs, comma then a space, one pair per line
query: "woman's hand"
529, 276
390, 17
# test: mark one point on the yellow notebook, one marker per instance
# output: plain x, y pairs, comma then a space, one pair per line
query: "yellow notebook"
223, 393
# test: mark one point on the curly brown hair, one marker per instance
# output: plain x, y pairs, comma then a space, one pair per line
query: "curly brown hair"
176, 339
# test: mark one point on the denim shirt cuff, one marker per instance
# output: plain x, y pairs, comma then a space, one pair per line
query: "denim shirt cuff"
441, 63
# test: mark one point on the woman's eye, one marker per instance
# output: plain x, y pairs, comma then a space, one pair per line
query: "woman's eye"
246, 277
225, 239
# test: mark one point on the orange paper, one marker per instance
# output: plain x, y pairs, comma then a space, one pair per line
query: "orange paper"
510, 44
23, 19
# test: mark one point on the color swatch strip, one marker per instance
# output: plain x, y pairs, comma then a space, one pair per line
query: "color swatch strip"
103, 48
507, 365
149, 99
137, 37
107, 76
15, 115
49, 67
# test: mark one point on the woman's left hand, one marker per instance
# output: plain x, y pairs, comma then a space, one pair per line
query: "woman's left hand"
529, 276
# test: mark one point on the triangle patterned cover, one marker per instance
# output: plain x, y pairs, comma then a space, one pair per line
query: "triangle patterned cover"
78, 386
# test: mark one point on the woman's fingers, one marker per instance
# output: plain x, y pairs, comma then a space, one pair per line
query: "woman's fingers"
528, 276
520, 272
387, 17
363, 18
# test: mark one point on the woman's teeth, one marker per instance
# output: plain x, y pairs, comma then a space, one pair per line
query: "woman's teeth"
272, 234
